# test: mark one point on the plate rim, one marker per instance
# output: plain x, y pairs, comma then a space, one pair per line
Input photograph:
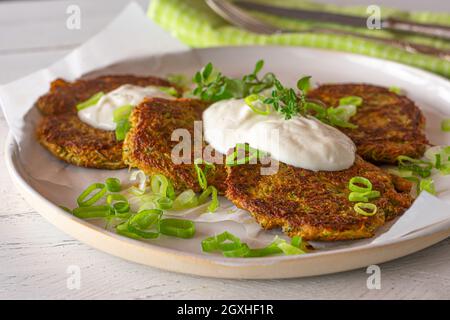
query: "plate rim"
12, 149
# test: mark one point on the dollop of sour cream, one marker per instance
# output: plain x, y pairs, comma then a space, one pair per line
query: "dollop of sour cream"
100, 115
303, 142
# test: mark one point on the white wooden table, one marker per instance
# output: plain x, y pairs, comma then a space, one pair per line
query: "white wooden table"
34, 255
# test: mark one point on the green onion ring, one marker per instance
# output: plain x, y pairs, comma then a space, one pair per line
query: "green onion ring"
202, 181
351, 100
169, 90
159, 184
227, 241
254, 99
185, 200
92, 212
214, 199
122, 113
360, 180
118, 202
445, 125
90, 102
139, 223
122, 128
427, 185
113, 185
164, 203
360, 209
242, 251
177, 228
81, 200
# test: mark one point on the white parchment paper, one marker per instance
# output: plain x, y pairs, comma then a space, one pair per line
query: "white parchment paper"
133, 44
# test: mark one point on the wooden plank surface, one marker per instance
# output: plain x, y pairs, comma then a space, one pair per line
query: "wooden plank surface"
34, 255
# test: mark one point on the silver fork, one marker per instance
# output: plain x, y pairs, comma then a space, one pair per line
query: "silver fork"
240, 18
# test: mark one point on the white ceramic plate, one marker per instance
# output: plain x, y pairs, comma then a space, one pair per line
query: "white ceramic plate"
430, 92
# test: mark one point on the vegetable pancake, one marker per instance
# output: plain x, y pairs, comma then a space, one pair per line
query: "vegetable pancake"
148, 145
67, 137
389, 124
315, 205
64, 96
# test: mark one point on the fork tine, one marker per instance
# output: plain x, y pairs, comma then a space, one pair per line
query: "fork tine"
236, 16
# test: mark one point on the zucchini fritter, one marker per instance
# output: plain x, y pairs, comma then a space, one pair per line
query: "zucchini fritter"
389, 125
64, 96
148, 145
69, 138
314, 205
76, 142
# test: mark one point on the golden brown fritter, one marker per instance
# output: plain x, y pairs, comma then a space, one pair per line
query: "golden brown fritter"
72, 140
389, 125
314, 205
64, 96
148, 145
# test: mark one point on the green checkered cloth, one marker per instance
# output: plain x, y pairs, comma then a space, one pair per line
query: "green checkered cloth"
195, 24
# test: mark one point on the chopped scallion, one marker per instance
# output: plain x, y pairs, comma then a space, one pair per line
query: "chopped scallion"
90, 102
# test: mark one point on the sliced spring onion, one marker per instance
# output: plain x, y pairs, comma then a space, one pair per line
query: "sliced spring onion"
352, 184
92, 212
118, 202
255, 102
339, 116
177, 228
65, 209
445, 169
351, 100
361, 208
185, 200
264, 252
83, 202
214, 200
122, 128
141, 177
148, 205
90, 102
427, 185
420, 167
289, 249
320, 111
363, 196
231, 246
401, 172
145, 224
201, 174
169, 90
445, 125
441, 157
122, 113
122, 229
239, 252
113, 185
395, 90
159, 184
223, 242
235, 158
164, 203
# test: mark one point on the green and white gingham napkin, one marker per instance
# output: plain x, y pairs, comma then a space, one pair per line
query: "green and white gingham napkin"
195, 24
